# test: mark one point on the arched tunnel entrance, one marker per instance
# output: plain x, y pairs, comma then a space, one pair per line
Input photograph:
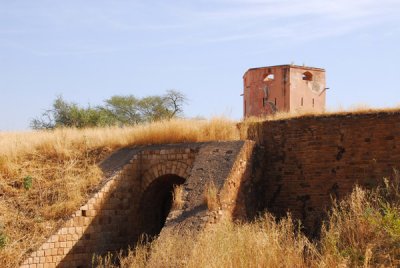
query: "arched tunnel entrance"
156, 204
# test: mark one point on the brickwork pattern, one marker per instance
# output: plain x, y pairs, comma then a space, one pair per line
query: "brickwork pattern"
107, 221
228, 165
307, 161
237, 186
287, 91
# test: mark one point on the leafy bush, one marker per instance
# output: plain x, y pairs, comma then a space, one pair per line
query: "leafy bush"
3, 240
28, 182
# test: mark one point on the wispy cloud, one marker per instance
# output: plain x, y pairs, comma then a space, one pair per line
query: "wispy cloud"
240, 9
122, 26
233, 20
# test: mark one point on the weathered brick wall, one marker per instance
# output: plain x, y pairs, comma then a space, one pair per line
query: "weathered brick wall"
109, 220
237, 187
284, 88
309, 160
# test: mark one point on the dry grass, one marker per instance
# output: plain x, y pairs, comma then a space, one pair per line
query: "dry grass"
211, 196
358, 109
264, 243
363, 230
62, 168
353, 110
177, 197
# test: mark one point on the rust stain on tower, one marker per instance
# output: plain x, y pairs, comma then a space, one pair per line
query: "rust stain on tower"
283, 88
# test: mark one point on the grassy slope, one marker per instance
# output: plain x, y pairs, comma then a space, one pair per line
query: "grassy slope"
62, 167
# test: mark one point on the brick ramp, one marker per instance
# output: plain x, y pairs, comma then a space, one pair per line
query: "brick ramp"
110, 220
229, 167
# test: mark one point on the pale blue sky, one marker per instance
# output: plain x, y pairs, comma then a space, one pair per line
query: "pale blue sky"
90, 50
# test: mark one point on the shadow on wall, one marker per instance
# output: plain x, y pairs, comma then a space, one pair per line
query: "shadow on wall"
250, 202
311, 160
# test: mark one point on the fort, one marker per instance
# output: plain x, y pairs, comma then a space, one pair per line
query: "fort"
297, 165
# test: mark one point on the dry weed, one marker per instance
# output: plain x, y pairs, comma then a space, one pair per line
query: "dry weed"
364, 228
264, 243
177, 195
211, 196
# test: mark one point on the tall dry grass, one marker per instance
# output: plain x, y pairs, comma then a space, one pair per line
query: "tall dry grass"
211, 196
363, 230
354, 110
62, 141
45, 176
264, 243
177, 197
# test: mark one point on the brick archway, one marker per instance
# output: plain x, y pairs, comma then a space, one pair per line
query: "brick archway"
177, 168
156, 198
111, 218
156, 203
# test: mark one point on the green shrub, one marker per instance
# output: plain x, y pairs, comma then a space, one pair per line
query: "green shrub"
3, 240
28, 182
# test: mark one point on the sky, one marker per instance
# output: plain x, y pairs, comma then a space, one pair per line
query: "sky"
90, 50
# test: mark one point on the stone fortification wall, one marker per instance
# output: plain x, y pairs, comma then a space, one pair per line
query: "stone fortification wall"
310, 160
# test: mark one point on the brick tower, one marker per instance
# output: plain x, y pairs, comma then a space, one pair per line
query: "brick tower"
283, 88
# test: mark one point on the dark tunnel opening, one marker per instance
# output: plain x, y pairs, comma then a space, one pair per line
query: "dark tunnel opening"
156, 204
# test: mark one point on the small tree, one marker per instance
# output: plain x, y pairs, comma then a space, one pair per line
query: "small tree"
174, 101
44, 122
60, 114
124, 109
152, 108
129, 110
64, 114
